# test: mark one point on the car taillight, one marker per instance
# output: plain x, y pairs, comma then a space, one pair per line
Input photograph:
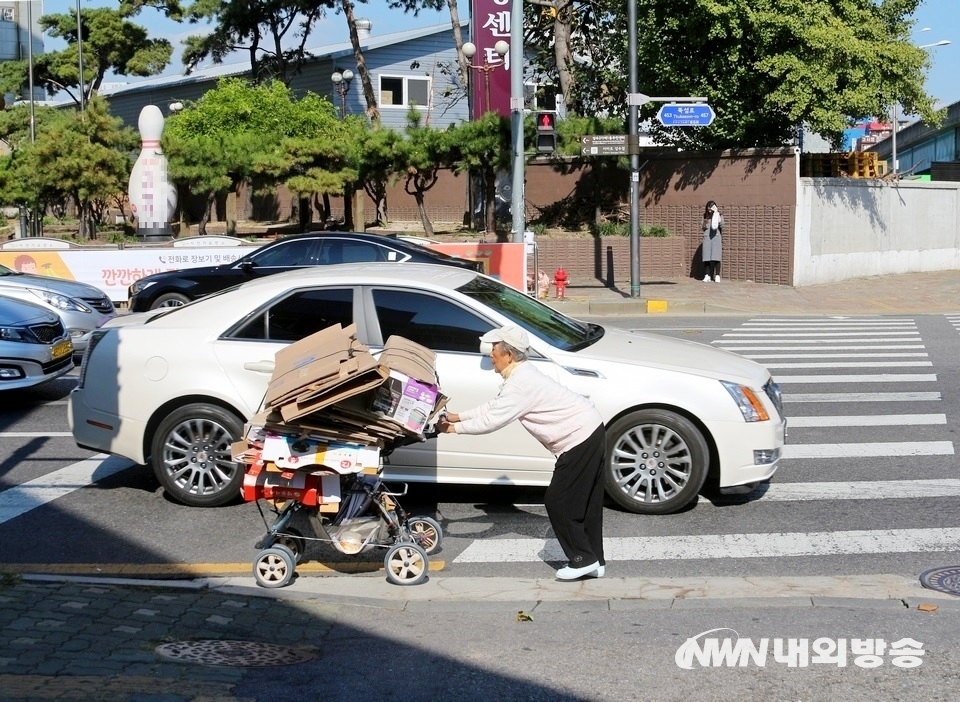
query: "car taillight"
95, 337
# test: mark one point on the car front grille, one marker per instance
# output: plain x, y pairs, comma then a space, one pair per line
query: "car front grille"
53, 366
100, 304
45, 333
773, 392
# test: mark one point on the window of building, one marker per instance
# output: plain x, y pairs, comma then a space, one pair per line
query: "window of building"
401, 91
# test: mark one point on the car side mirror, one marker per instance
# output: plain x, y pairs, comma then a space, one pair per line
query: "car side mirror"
246, 266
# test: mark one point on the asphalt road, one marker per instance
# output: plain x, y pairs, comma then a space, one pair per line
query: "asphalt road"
869, 483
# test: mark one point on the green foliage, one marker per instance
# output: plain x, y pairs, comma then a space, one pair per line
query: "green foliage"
766, 66
273, 32
111, 44
483, 147
615, 228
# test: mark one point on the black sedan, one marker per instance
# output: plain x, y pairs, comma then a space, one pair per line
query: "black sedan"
175, 288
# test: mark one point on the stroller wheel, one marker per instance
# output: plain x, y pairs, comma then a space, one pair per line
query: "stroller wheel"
293, 540
406, 564
274, 566
426, 533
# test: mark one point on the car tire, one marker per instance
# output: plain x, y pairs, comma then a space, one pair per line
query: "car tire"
191, 455
656, 462
171, 299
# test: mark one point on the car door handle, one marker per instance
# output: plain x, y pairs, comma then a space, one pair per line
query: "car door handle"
260, 366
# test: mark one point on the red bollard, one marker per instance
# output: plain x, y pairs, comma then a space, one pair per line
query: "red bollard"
560, 280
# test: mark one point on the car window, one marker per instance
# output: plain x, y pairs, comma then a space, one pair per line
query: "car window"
344, 251
299, 314
431, 321
534, 316
286, 254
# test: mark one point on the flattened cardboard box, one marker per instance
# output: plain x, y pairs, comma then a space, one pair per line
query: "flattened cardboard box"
330, 340
410, 358
326, 396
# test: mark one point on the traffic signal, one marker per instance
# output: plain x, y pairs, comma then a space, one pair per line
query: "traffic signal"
546, 132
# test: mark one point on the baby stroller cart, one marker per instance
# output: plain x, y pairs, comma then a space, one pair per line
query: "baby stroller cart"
330, 414
369, 517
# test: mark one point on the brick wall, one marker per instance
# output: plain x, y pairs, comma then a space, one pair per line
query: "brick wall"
755, 189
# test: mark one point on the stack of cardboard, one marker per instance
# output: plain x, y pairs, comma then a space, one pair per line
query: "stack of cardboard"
331, 406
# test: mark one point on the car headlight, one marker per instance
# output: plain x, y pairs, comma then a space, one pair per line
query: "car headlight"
139, 286
61, 302
750, 405
14, 334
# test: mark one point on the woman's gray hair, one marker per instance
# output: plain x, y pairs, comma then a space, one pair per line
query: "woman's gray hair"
514, 353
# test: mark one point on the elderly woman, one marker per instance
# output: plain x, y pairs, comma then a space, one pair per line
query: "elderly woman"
712, 250
568, 425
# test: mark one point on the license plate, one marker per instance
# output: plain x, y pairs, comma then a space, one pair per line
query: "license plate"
62, 348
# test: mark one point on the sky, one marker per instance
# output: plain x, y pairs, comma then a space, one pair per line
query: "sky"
941, 19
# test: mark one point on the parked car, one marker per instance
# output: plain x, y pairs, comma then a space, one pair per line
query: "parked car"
82, 307
34, 345
173, 388
175, 288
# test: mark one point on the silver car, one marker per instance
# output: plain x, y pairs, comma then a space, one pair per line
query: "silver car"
34, 346
82, 307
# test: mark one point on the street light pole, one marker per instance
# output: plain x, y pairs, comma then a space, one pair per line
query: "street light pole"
341, 82
80, 55
470, 50
894, 164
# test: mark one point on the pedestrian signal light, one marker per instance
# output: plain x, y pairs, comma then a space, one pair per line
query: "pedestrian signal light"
546, 132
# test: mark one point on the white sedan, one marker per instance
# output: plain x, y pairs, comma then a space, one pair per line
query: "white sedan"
173, 389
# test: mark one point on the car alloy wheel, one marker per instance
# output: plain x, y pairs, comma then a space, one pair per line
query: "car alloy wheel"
656, 462
191, 455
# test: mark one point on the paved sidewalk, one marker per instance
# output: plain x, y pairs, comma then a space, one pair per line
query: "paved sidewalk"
911, 293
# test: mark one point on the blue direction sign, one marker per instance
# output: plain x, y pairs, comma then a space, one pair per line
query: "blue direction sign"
679, 114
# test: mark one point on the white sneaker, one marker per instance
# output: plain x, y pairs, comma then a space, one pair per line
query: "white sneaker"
599, 572
716, 279
706, 279
570, 573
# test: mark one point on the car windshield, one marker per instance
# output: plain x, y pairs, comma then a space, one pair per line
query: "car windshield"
534, 316
6, 271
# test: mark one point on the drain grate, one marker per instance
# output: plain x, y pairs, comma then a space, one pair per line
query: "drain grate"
236, 654
942, 579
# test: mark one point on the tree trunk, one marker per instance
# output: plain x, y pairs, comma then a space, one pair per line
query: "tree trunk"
369, 95
202, 225
489, 200
463, 63
304, 213
348, 209
561, 48
422, 211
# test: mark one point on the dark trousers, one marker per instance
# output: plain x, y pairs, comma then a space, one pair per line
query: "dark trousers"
712, 268
574, 501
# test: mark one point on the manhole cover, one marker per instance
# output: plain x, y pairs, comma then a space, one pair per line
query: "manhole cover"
237, 654
942, 579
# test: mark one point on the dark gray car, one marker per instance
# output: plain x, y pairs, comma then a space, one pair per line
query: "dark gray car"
34, 346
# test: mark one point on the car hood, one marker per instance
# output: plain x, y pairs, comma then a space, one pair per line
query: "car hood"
653, 350
18, 313
70, 288
188, 273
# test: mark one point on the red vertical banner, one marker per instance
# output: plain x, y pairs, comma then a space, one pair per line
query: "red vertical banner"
490, 23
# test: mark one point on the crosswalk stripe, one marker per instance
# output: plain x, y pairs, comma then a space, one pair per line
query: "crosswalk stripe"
853, 364
811, 334
869, 450
876, 378
867, 420
719, 546
862, 397
772, 356
39, 491
32, 434
816, 344
859, 490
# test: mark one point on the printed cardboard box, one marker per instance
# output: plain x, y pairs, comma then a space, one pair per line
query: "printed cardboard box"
310, 489
406, 401
290, 452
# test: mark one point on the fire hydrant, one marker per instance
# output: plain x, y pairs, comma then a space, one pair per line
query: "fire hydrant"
560, 280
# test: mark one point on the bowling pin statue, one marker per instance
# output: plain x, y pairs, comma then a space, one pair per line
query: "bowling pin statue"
153, 198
